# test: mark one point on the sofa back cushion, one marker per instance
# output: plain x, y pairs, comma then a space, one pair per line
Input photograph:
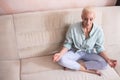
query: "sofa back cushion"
43, 33
8, 47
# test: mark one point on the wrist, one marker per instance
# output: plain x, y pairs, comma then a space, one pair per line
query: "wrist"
61, 53
108, 60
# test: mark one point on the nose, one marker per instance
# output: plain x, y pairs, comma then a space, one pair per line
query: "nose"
88, 21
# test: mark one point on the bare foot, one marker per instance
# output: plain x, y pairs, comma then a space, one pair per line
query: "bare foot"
64, 68
84, 69
93, 72
98, 73
88, 71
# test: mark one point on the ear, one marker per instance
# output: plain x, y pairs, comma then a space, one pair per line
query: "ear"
82, 17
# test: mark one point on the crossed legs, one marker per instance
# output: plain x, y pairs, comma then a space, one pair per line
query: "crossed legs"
92, 62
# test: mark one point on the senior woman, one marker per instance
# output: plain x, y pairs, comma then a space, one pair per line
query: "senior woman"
84, 41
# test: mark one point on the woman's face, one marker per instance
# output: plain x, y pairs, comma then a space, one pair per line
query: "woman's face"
87, 19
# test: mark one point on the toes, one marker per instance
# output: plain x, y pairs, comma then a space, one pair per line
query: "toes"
64, 68
98, 73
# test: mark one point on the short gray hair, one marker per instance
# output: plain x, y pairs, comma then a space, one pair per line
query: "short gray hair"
88, 10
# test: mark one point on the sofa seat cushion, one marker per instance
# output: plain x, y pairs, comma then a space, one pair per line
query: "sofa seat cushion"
42, 68
37, 64
108, 74
9, 70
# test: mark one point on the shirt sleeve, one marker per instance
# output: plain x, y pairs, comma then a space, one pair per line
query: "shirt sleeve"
99, 45
68, 39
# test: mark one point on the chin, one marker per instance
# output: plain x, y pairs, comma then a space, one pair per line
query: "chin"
87, 25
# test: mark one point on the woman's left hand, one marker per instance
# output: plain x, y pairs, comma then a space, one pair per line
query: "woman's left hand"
112, 62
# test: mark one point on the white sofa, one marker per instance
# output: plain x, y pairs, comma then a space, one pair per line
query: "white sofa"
29, 40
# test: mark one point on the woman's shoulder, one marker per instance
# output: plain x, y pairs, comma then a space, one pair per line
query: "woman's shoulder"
97, 27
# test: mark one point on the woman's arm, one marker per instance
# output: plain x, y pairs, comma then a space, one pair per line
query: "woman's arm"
67, 45
111, 62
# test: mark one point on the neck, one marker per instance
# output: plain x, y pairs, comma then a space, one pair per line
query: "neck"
87, 27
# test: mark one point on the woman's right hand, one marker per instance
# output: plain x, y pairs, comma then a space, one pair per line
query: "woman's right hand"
57, 57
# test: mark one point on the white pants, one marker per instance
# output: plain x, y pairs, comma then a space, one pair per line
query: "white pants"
92, 60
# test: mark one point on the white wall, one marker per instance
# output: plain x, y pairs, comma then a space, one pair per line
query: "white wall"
17, 6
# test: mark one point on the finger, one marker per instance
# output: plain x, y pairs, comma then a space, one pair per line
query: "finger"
115, 63
56, 58
111, 64
114, 66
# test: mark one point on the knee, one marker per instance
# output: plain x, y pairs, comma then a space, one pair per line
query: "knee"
103, 64
62, 61
69, 64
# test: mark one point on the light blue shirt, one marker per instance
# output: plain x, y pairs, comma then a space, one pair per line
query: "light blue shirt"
75, 39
